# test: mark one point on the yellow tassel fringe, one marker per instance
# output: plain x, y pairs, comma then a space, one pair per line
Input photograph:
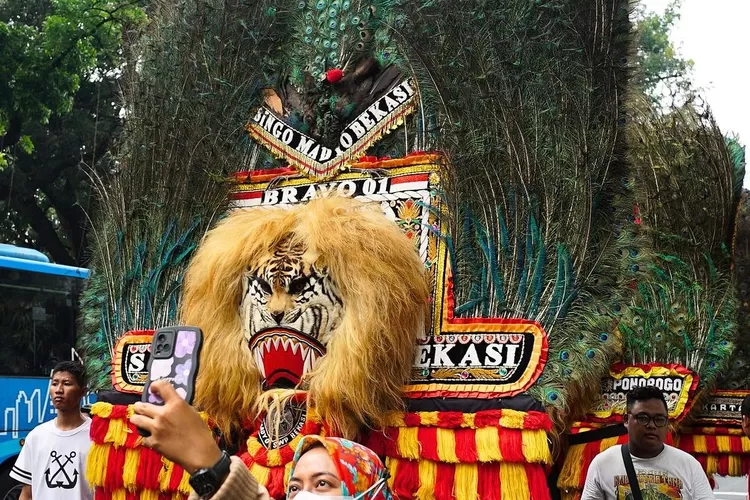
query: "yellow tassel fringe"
446, 446
96, 464
535, 447
408, 443
130, 471
513, 481
466, 482
488, 445
427, 479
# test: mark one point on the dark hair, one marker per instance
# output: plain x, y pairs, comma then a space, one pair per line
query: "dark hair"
74, 368
745, 411
645, 393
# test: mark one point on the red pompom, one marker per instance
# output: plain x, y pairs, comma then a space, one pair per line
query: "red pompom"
334, 75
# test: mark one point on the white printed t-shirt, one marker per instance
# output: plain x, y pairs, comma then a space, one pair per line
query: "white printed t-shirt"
53, 462
669, 475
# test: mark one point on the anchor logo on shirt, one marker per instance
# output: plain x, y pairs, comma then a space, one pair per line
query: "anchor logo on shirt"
62, 477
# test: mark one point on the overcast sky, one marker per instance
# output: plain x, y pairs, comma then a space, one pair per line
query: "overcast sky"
715, 34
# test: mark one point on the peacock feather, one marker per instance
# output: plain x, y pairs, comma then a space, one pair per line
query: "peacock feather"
339, 34
351, 37
525, 99
187, 97
686, 185
737, 372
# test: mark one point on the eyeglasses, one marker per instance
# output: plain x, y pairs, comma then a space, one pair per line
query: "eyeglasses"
644, 419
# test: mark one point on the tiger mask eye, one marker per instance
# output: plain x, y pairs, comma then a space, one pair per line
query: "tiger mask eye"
298, 285
264, 285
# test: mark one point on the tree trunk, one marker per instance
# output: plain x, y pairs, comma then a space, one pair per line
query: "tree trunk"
46, 234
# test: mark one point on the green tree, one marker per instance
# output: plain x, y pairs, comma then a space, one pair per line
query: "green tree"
660, 70
60, 62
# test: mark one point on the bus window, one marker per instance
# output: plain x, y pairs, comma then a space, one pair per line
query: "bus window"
37, 321
38, 301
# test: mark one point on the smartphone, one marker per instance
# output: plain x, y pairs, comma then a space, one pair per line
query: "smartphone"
175, 356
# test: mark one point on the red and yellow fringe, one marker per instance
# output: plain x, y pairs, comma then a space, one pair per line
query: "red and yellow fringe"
120, 468
494, 454
722, 451
429, 480
461, 438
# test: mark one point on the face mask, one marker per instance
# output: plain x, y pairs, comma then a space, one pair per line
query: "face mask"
306, 495
377, 486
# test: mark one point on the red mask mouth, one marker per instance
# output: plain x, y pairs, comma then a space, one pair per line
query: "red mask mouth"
284, 356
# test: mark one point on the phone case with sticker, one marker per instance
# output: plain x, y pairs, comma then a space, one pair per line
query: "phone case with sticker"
175, 356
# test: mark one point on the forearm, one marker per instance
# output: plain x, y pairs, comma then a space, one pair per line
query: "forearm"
25, 493
238, 485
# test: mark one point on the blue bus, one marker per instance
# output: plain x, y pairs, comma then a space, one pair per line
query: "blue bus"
38, 310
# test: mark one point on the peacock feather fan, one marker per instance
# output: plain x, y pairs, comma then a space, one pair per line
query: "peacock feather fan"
736, 375
686, 186
525, 100
188, 92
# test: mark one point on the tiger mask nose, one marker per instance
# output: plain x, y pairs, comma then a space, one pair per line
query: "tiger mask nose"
279, 303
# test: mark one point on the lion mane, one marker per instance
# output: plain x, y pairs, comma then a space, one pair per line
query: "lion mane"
383, 287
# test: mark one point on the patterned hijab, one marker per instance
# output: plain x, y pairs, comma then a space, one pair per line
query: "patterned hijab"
358, 467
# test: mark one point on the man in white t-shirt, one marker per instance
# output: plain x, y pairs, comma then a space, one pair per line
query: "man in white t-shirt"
663, 472
52, 463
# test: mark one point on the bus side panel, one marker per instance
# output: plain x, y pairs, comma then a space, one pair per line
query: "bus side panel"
24, 404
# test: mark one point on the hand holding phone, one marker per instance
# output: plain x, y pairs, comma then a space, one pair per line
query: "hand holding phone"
175, 355
176, 430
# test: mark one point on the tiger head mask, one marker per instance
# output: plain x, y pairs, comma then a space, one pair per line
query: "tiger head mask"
289, 308
327, 297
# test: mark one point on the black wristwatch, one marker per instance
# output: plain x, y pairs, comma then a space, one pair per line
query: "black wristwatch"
206, 482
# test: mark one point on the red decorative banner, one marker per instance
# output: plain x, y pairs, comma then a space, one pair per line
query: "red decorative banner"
130, 362
676, 382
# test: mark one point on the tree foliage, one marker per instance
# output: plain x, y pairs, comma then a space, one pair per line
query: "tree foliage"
59, 65
661, 71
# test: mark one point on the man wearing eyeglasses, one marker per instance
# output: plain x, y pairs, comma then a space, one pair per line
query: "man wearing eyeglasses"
662, 471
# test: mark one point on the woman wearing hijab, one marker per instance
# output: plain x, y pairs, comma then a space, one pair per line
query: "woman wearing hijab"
325, 467
322, 466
